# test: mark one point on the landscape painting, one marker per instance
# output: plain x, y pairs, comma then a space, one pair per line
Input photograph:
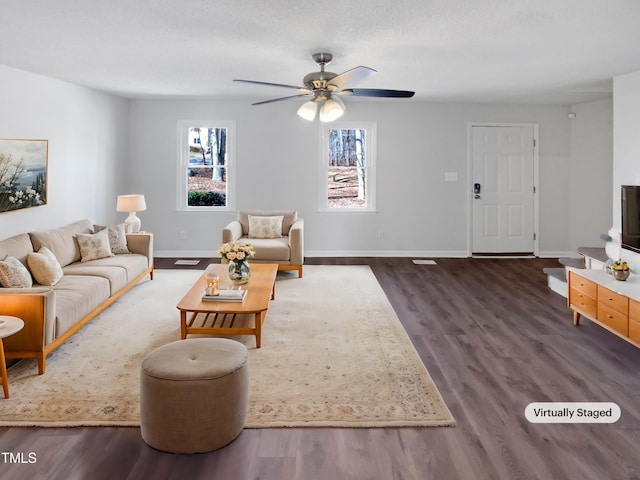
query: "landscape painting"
23, 173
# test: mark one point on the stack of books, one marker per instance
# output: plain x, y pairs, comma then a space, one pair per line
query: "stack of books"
226, 296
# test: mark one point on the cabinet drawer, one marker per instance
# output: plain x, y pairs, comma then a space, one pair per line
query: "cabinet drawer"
614, 300
582, 284
582, 303
613, 319
634, 330
634, 310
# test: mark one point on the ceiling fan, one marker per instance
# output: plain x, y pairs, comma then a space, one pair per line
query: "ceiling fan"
326, 88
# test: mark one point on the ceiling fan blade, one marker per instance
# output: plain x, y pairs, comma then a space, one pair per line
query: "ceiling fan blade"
301, 89
283, 98
351, 77
377, 92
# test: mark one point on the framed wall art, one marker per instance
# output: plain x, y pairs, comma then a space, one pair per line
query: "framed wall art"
23, 173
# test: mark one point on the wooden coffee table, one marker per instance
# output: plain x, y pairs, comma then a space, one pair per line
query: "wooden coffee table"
229, 318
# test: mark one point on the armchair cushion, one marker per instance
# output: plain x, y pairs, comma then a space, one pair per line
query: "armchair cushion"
265, 226
288, 218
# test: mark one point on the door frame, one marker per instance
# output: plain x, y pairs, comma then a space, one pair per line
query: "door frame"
536, 177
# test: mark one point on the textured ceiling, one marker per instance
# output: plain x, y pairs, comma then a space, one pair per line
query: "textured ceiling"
542, 51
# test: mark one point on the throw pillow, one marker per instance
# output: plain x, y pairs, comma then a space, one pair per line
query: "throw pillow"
117, 238
44, 267
13, 274
94, 246
265, 227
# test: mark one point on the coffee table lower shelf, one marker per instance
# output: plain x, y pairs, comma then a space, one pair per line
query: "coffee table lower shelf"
199, 323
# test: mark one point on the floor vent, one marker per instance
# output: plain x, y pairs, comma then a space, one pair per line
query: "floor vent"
424, 262
505, 256
187, 262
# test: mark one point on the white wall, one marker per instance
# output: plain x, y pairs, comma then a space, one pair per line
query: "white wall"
626, 146
626, 138
87, 133
591, 173
278, 154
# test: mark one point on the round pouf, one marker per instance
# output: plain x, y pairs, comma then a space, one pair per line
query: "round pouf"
194, 395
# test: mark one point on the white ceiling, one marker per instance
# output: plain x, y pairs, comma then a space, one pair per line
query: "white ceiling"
532, 51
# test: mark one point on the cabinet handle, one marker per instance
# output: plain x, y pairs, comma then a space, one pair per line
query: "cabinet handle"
609, 316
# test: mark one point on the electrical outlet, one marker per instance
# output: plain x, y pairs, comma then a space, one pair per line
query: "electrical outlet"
183, 234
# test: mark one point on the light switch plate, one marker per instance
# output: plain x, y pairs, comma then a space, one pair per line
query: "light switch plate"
451, 176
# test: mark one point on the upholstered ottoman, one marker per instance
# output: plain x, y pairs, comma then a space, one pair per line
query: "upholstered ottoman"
193, 395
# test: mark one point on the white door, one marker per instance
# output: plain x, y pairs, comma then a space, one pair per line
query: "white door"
503, 189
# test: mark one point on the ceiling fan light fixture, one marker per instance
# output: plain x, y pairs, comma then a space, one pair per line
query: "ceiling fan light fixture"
331, 110
308, 110
325, 87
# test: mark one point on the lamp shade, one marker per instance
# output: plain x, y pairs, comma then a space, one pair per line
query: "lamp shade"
331, 110
131, 203
308, 110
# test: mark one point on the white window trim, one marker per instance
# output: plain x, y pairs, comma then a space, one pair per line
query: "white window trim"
323, 190
183, 142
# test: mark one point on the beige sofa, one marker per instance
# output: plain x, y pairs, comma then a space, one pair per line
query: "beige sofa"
284, 246
82, 288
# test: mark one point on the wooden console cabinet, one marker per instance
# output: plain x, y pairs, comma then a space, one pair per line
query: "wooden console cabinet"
610, 303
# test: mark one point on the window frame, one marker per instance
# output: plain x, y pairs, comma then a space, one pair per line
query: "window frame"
183, 161
370, 129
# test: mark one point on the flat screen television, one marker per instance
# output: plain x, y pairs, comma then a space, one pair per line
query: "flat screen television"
631, 217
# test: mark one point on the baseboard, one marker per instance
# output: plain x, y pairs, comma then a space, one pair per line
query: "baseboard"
352, 253
558, 254
385, 253
186, 254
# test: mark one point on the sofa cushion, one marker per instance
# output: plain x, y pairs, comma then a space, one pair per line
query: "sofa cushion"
289, 217
94, 245
117, 238
265, 226
118, 270
44, 267
76, 296
13, 274
18, 246
61, 241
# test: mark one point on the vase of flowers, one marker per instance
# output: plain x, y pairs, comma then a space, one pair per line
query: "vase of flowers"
237, 255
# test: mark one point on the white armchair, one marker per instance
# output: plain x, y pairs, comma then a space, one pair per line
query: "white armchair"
278, 238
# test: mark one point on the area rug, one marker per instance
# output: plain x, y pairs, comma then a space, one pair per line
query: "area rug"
333, 354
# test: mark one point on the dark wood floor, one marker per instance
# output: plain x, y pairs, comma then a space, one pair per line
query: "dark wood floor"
494, 339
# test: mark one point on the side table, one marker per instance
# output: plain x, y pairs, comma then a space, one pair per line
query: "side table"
8, 326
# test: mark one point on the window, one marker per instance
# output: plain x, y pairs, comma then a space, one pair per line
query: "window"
206, 166
348, 167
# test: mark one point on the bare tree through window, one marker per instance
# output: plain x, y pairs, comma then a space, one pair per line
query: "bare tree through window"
206, 168
347, 170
